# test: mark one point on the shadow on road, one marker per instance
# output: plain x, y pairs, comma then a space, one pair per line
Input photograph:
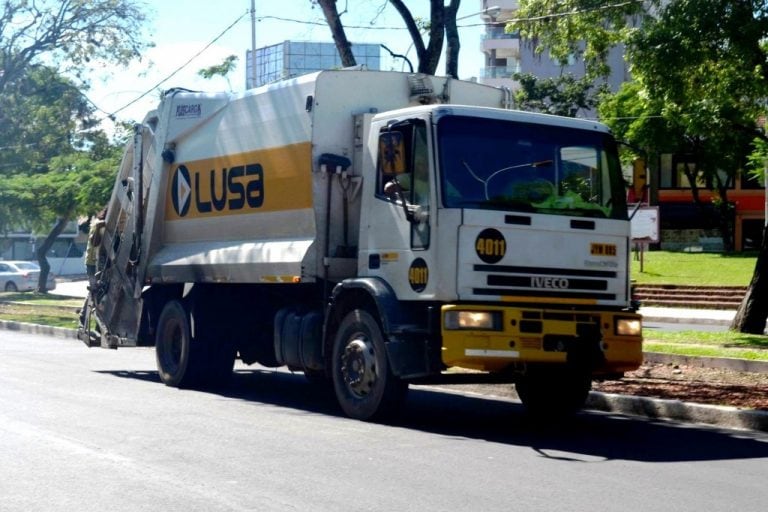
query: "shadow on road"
587, 437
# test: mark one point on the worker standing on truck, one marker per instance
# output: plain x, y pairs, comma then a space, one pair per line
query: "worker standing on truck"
95, 237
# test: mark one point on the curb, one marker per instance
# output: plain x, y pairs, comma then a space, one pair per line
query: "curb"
653, 408
46, 330
721, 363
656, 408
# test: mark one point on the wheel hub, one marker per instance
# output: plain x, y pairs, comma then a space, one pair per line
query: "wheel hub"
358, 366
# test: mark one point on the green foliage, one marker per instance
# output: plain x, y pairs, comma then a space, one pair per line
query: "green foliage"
564, 95
586, 29
223, 69
636, 119
57, 165
704, 63
69, 34
39, 111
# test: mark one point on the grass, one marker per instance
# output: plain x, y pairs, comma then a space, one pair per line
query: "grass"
707, 344
43, 309
693, 269
699, 269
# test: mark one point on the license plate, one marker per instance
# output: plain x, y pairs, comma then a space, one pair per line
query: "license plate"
602, 249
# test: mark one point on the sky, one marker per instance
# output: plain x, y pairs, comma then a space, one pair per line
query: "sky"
182, 29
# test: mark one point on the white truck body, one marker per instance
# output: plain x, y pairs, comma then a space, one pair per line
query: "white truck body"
314, 222
271, 127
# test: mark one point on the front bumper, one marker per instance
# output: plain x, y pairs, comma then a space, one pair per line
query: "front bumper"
529, 335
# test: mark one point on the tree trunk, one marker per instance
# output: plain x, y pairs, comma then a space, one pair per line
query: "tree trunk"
413, 28
452, 37
753, 311
727, 215
45, 268
337, 30
431, 58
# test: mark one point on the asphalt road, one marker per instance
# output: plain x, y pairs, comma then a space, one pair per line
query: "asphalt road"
93, 430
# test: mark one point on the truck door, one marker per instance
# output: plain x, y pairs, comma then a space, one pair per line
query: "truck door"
399, 221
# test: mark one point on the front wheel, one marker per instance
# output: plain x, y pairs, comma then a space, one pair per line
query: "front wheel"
554, 392
364, 385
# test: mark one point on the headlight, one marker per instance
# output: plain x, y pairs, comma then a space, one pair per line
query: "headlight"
629, 326
477, 320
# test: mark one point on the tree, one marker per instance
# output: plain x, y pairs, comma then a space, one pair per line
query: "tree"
565, 95
70, 33
39, 113
60, 166
442, 24
50, 144
586, 29
343, 46
75, 185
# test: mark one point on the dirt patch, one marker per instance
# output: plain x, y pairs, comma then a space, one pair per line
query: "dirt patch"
691, 384
670, 381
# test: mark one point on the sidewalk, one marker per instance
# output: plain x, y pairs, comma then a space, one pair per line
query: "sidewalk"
682, 315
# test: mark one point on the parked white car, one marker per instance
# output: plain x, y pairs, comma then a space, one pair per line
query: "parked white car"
22, 276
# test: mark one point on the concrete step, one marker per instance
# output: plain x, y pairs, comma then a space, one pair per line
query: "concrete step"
690, 304
705, 297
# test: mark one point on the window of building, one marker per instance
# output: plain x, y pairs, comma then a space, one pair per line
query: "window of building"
677, 172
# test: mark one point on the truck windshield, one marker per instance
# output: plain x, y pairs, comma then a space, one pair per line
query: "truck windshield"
514, 166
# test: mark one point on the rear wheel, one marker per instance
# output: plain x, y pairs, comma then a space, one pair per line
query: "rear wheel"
179, 357
10, 286
364, 385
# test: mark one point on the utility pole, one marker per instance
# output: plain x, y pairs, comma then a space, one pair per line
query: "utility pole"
253, 43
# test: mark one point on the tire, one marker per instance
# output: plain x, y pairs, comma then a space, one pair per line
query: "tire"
554, 393
10, 286
179, 357
220, 363
214, 343
364, 385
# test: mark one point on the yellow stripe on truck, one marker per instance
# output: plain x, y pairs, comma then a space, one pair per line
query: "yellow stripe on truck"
268, 180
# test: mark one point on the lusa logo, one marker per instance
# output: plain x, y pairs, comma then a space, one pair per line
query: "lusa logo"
218, 189
181, 191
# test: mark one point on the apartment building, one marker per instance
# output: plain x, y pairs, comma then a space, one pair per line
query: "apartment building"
507, 54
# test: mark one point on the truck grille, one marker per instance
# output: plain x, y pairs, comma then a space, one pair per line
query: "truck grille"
545, 282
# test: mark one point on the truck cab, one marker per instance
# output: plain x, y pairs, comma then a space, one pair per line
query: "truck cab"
502, 237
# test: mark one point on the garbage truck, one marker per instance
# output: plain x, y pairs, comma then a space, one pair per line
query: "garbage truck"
370, 229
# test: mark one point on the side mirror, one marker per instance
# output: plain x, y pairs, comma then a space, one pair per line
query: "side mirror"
392, 153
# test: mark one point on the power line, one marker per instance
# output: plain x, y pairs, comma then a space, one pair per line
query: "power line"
111, 115
176, 71
560, 14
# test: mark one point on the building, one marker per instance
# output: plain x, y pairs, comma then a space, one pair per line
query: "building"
507, 54
295, 58
688, 226
65, 256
